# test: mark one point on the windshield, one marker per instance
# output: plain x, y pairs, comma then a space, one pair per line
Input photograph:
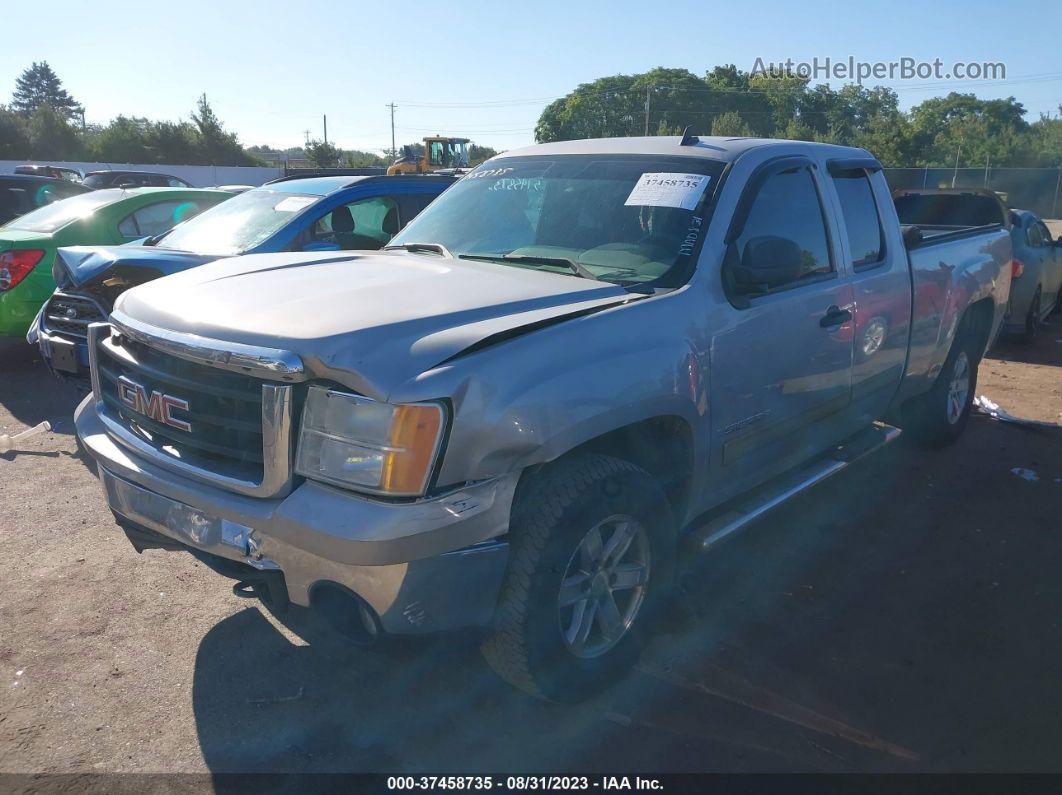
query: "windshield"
621, 218
60, 213
238, 224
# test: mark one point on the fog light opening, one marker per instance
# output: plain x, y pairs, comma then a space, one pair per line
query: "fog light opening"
346, 613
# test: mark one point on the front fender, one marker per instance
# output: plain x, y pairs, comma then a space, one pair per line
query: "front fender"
532, 399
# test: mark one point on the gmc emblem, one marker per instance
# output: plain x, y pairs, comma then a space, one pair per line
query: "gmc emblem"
157, 406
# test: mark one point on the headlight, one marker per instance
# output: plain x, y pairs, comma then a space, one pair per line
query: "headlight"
356, 442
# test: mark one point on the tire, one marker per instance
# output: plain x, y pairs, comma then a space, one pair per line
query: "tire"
1032, 320
939, 417
553, 518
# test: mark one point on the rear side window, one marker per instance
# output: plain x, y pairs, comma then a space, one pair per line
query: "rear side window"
1034, 236
866, 238
157, 218
949, 209
786, 213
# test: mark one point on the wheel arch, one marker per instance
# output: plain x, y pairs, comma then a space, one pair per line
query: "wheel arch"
662, 446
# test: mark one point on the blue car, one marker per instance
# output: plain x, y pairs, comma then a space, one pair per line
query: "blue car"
311, 213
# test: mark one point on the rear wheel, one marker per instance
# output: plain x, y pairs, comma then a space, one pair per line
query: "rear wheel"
1032, 320
939, 417
591, 557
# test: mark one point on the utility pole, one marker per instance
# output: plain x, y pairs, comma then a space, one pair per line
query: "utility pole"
82, 121
394, 151
955, 172
307, 134
647, 110
325, 117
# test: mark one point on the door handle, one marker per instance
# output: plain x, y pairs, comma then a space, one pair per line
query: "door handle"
835, 316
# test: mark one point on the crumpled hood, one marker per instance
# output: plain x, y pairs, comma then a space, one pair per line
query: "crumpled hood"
369, 320
84, 263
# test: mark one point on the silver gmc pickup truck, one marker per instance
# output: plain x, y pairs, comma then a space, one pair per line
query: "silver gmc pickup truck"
583, 361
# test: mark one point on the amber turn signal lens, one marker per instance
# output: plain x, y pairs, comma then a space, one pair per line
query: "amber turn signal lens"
414, 441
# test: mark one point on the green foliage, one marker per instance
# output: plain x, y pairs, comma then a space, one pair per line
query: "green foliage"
52, 135
43, 122
728, 101
40, 85
14, 138
322, 154
730, 124
216, 146
477, 154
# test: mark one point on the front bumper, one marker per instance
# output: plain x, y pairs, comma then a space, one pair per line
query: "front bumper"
79, 373
425, 566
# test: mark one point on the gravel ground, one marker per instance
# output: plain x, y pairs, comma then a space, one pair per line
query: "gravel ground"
901, 617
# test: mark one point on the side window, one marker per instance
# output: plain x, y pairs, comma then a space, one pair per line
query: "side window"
157, 218
173, 182
1045, 233
1034, 235
362, 225
784, 239
866, 238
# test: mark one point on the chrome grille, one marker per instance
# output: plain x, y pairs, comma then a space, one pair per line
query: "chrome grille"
240, 425
70, 314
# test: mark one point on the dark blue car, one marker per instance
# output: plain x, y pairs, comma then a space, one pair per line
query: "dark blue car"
311, 213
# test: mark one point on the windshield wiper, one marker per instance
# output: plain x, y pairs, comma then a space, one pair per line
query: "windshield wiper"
438, 248
527, 259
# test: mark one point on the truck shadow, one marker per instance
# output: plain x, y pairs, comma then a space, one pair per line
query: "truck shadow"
902, 617
22, 374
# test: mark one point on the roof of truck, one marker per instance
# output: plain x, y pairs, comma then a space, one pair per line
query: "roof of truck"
715, 147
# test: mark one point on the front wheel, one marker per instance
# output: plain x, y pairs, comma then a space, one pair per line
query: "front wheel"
591, 556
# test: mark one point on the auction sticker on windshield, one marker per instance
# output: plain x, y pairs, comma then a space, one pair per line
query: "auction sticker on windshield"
668, 190
292, 204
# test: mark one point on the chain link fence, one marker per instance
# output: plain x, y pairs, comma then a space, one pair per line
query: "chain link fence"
1035, 189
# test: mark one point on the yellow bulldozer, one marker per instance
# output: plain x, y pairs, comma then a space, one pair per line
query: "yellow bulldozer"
440, 154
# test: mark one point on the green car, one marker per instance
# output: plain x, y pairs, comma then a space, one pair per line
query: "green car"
100, 218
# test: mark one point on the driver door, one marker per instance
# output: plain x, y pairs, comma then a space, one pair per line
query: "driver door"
781, 369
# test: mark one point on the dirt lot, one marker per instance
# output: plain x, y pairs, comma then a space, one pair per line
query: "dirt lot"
902, 617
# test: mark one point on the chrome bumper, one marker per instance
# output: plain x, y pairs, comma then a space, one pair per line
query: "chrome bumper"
425, 566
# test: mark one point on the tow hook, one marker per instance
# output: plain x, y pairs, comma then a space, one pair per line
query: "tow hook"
266, 586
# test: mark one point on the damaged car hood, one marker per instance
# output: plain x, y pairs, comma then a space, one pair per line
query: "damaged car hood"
369, 320
84, 263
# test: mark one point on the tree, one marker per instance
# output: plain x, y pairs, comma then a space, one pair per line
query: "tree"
322, 154
730, 124
52, 137
125, 140
477, 154
214, 145
40, 85
14, 138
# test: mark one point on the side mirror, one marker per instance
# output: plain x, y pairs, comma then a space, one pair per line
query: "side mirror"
1059, 241
767, 262
320, 245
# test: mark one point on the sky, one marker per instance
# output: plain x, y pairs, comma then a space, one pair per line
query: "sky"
483, 70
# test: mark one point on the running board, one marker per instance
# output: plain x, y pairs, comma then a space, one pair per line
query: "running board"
769, 496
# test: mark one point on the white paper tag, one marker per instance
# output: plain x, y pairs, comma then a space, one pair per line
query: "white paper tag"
292, 204
668, 190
